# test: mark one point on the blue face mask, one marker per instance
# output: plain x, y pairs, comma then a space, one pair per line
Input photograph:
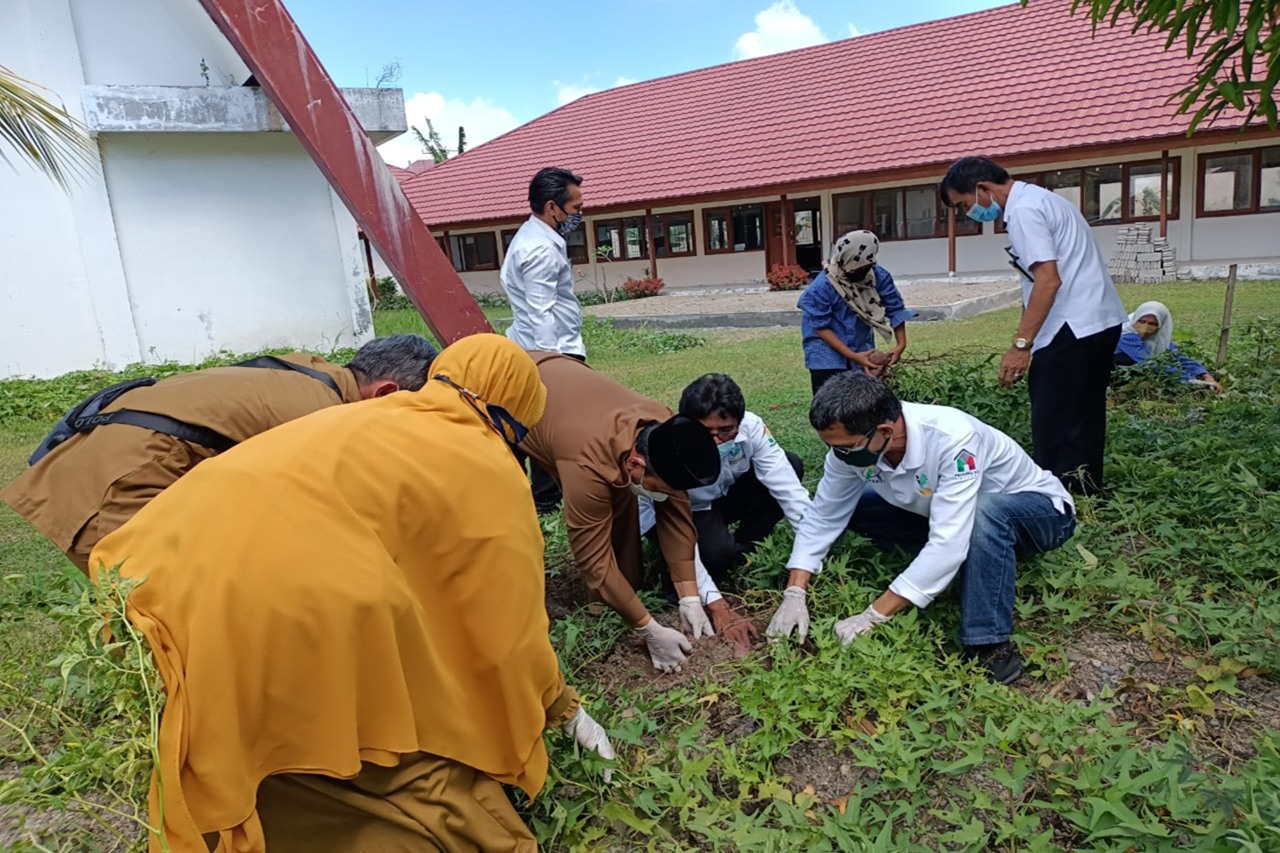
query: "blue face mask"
979, 213
571, 223
727, 449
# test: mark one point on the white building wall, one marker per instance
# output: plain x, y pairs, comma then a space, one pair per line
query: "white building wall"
239, 252
174, 245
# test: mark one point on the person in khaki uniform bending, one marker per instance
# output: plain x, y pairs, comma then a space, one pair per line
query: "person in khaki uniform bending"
96, 480
607, 446
353, 634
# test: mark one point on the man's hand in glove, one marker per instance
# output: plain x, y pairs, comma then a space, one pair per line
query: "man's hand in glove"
590, 735
694, 619
849, 629
737, 629
791, 615
667, 647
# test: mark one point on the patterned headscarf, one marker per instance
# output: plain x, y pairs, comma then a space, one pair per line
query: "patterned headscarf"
853, 250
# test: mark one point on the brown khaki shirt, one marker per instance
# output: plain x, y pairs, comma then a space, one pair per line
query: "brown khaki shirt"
589, 428
95, 481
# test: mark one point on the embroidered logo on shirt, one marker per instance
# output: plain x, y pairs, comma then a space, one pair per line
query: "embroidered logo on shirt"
922, 479
872, 475
966, 463
768, 436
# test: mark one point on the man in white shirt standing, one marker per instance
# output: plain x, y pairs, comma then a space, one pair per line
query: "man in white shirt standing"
933, 480
1071, 315
538, 280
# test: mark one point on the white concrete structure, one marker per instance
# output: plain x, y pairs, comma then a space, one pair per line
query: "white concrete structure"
204, 226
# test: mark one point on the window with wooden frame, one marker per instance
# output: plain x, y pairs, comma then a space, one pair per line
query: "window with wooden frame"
508, 234
576, 246
673, 234
734, 229
474, 252
898, 213
1240, 182
1112, 194
621, 239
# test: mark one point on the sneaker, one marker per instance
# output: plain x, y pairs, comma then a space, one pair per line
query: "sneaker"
1001, 661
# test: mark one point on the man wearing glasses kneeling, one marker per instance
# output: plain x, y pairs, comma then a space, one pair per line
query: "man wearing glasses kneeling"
939, 483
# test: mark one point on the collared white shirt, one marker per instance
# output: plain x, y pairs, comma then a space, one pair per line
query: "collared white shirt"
538, 280
951, 458
1044, 226
755, 447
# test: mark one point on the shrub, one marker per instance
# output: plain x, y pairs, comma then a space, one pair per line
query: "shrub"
787, 277
639, 288
387, 295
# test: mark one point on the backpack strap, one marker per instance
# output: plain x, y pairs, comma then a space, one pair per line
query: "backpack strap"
180, 430
273, 363
91, 405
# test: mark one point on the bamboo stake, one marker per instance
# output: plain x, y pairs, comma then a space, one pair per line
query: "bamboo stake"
1226, 315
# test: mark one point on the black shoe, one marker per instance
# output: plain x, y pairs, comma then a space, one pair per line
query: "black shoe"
547, 507
1001, 661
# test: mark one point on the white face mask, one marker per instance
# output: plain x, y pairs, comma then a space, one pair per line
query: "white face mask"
656, 497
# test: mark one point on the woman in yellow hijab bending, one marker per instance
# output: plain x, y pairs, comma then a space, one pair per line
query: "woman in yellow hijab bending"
348, 614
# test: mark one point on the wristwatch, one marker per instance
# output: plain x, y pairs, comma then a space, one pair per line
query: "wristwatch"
1021, 344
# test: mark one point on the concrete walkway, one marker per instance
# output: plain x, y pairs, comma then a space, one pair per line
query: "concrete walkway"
934, 299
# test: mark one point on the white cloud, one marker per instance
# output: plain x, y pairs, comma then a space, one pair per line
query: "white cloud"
780, 27
567, 92
482, 119
853, 29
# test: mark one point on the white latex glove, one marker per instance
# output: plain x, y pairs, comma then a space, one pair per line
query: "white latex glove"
694, 619
792, 614
667, 647
848, 629
590, 735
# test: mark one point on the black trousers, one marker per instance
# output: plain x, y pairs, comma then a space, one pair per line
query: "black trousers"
818, 378
1067, 383
749, 505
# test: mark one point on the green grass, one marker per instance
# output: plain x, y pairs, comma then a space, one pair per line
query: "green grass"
890, 744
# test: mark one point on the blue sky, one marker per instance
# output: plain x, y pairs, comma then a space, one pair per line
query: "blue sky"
492, 66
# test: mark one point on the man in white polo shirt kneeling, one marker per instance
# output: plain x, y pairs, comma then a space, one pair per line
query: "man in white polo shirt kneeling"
935, 481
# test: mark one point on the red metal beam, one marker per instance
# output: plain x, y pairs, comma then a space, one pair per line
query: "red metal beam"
288, 70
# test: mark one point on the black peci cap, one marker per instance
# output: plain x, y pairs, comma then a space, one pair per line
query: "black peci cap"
683, 453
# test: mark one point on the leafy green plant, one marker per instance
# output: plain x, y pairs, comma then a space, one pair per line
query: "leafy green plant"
89, 745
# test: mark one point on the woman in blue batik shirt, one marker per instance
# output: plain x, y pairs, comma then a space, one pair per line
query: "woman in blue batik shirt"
1148, 333
845, 306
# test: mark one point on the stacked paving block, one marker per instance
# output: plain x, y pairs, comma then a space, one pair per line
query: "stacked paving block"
1139, 258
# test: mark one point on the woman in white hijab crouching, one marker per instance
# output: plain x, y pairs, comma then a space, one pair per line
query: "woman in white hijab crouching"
1149, 332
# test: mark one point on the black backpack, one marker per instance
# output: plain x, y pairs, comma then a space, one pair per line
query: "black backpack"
88, 414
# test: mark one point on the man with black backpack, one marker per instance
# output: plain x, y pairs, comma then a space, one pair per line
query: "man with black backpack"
121, 447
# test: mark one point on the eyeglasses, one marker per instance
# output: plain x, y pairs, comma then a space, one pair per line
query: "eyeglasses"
1016, 263
724, 431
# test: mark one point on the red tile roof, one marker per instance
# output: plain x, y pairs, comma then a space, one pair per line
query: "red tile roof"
1004, 82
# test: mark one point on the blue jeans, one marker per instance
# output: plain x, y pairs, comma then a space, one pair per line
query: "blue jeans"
1004, 527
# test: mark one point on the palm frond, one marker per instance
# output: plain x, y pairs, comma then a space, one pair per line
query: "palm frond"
44, 135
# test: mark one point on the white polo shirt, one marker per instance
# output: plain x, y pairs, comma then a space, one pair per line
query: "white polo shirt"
538, 280
754, 448
950, 459
1044, 226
